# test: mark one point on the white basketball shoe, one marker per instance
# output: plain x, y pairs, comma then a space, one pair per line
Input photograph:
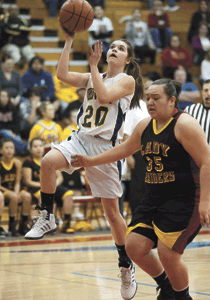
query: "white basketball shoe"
44, 225
128, 282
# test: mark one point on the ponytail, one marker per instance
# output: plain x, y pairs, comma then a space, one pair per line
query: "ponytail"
133, 69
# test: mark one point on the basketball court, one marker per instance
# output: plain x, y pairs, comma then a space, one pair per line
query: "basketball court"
84, 266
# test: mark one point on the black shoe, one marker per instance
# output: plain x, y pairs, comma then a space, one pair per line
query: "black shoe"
13, 230
2, 233
187, 298
166, 291
23, 228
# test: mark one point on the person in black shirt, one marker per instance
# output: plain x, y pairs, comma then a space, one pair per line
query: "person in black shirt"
176, 202
15, 33
9, 120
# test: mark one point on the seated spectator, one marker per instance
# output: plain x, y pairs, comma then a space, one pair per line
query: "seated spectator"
46, 128
175, 56
71, 124
9, 123
205, 67
16, 32
2, 231
64, 93
10, 80
75, 104
52, 6
159, 26
200, 43
37, 76
28, 111
10, 186
137, 33
200, 16
170, 6
31, 178
102, 30
189, 93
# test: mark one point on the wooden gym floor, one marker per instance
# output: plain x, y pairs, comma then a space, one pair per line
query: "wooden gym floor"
84, 266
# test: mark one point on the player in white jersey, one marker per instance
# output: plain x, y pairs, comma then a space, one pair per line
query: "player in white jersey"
100, 127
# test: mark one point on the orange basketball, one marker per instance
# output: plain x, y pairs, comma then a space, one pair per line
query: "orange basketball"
76, 15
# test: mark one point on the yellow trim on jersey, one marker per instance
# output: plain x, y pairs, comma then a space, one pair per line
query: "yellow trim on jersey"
8, 167
37, 194
37, 162
129, 229
167, 238
156, 131
68, 193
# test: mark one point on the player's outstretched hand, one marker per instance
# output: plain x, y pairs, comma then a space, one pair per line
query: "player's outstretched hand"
204, 211
79, 160
96, 53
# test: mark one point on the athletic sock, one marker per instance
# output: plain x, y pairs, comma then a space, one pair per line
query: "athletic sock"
67, 217
24, 218
11, 219
47, 201
182, 294
161, 278
124, 260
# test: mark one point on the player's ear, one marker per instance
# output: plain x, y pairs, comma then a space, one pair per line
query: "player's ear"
128, 60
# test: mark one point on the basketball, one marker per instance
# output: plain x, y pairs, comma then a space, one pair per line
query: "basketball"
76, 15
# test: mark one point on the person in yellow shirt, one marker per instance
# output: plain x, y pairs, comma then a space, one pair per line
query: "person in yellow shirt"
64, 91
46, 128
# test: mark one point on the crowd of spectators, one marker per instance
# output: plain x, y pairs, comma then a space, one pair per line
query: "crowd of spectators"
36, 104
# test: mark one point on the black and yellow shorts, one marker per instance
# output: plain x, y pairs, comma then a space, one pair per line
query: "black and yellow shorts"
175, 224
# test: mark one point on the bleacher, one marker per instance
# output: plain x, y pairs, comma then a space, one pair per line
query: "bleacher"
47, 38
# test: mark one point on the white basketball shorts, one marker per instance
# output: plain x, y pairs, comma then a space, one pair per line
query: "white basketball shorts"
104, 180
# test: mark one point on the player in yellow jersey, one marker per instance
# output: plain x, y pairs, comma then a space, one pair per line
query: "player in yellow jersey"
10, 179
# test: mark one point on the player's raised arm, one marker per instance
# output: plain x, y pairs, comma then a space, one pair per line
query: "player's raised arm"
72, 78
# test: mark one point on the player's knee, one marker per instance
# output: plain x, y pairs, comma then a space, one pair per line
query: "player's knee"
166, 256
47, 163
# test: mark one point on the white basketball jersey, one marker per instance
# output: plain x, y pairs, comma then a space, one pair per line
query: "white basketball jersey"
103, 120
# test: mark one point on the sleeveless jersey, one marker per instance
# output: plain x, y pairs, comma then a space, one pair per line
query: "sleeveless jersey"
170, 171
103, 120
8, 175
34, 165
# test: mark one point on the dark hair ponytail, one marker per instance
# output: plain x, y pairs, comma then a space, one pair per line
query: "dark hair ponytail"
171, 88
134, 70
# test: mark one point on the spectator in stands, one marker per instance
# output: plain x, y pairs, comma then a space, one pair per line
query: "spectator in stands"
137, 33
31, 177
175, 56
170, 6
189, 93
71, 124
205, 67
52, 6
10, 185
46, 128
10, 80
201, 111
102, 30
37, 76
64, 93
2, 231
200, 16
75, 104
28, 111
16, 32
159, 26
9, 123
200, 43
